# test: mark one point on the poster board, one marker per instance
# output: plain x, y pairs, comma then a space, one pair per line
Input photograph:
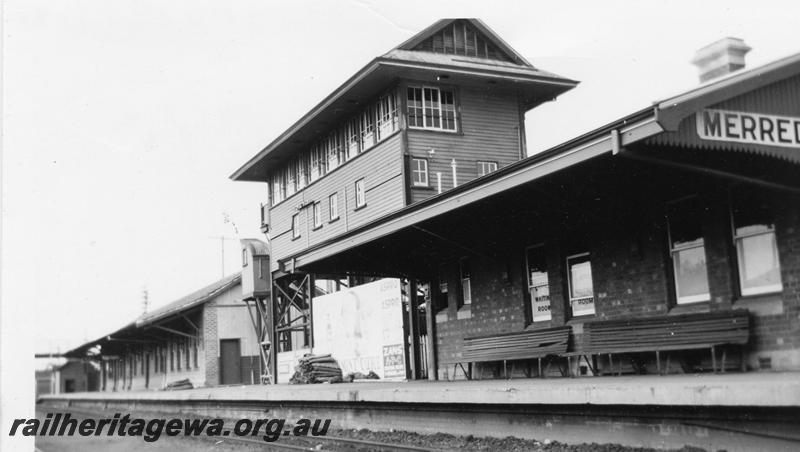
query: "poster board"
362, 328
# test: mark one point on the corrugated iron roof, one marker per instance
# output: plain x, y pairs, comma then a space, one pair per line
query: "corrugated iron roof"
195, 298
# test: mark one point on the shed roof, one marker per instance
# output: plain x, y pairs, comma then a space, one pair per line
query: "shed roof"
195, 298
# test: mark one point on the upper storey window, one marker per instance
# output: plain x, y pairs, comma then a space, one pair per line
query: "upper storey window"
355, 135
431, 108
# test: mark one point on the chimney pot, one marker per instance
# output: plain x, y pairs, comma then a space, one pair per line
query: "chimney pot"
720, 58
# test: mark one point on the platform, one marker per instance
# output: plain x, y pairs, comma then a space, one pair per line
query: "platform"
740, 389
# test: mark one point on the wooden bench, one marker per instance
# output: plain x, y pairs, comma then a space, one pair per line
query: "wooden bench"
663, 334
528, 344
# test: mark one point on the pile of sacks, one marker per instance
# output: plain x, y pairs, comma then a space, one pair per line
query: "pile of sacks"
316, 369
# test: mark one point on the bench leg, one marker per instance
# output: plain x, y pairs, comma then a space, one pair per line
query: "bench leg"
588, 363
722, 367
666, 370
658, 362
505, 370
713, 360
540, 367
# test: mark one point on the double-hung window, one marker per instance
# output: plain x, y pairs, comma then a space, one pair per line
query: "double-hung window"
431, 108
295, 226
317, 214
756, 247
688, 251
581, 286
538, 283
333, 206
419, 172
361, 196
485, 168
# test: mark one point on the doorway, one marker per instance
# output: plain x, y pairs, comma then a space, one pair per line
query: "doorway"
230, 362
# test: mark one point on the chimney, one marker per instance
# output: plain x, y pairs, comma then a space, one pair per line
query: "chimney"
720, 58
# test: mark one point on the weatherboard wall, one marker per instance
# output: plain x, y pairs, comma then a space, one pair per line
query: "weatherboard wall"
381, 169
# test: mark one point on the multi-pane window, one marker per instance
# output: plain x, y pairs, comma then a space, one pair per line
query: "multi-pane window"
581, 287
466, 281
367, 128
291, 178
486, 167
361, 196
353, 134
419, 172
301, 170
317, 211
331, 146
333, 206
295, 226
756, 247
688, 251
387, 115
358, 133
431, 108
278, 191
538, 283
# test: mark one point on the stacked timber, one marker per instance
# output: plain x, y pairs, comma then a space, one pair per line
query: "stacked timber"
316, 369
180, 384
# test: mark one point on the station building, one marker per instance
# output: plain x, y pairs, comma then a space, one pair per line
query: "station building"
206, 337
684, 211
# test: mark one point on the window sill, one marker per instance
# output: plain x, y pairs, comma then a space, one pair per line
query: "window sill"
423, 187
761, 305
362, 206
427, 130
296, 238
333, 220
690, 308
464, 312
316, 228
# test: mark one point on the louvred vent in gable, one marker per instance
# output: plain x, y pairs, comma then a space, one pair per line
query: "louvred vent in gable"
461, 38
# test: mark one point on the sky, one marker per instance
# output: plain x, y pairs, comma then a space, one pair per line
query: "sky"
122, 121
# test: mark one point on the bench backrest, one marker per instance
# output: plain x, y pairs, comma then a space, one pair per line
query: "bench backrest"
730, 327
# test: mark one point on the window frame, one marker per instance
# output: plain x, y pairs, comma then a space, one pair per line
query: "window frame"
480, 165
244, 257
569, 284
333, 207
530, 286
296, 226
420, 105
465, 293
739, 238
415, 171
360, 194
316, 214
673, 251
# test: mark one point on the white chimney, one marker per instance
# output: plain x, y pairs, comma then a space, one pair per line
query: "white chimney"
720, 58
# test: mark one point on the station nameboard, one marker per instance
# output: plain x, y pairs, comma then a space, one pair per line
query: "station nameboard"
751, 128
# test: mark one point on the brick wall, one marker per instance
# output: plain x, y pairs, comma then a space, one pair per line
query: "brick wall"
210, 343
632, 275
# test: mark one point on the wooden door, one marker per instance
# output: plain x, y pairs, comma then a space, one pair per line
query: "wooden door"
230, 362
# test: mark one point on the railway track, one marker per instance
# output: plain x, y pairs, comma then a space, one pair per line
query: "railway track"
302, 443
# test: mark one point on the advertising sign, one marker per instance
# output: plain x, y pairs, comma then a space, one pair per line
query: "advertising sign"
362, 328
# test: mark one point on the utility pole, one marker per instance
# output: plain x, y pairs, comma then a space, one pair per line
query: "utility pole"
222, 239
